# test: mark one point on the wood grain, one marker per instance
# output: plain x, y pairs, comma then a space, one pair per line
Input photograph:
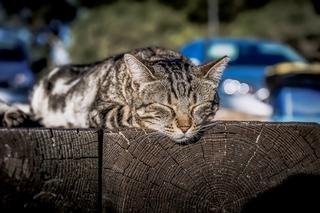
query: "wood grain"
234, 167
51, 170
232, 163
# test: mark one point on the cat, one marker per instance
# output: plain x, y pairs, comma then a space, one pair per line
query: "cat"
153, 88
16, 115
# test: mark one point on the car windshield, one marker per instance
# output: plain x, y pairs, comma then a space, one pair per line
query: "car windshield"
11, 51
253, 54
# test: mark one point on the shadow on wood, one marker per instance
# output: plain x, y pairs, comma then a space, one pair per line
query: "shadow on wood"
297, 193
129, 170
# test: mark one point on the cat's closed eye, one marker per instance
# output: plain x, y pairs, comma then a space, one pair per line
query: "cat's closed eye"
157, 110
203, 110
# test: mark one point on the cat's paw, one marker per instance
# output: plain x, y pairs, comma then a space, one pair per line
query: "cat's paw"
14, 117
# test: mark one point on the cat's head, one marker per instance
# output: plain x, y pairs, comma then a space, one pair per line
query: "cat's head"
174, 96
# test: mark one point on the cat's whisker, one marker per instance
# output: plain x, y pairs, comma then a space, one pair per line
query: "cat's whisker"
204, 128
208, 125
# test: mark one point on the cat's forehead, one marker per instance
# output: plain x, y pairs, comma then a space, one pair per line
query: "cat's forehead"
177, 81
172, 65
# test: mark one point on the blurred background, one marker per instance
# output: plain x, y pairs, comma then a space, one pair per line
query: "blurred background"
274, 46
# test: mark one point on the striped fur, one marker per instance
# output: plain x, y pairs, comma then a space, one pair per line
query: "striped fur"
150, 88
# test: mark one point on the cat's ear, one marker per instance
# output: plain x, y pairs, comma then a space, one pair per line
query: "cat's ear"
213, 70
139, 72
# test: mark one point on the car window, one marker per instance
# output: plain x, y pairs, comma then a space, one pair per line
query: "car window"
300, 101
222, 49
253, 54
10, 51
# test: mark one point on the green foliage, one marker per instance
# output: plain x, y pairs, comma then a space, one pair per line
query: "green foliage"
294, 22
116, 27
279, 20
122, 26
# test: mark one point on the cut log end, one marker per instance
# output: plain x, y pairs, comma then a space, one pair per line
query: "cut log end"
234, 167
232, 163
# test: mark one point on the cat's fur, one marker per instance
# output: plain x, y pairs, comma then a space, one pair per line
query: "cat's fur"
150, 88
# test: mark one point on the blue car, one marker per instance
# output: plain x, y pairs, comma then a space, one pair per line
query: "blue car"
295, 92
16, 76
242, 86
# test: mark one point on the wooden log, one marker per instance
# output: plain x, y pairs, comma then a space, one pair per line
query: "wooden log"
234, 167
230, 165
51, 170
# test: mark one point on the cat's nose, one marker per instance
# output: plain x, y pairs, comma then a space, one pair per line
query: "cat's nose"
184, 129
184, 123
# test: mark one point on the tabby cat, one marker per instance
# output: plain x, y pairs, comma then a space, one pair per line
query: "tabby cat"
152, 88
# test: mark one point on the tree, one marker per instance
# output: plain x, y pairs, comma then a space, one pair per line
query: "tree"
120, 27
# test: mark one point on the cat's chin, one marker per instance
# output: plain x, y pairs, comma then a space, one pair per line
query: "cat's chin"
185, 139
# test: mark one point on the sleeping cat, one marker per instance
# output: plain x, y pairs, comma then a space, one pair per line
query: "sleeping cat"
152, 88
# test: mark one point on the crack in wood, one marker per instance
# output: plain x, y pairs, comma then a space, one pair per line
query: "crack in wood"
101, 141
256, 144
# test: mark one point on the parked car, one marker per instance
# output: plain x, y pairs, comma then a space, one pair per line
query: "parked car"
295, 92
16, 77
242, 86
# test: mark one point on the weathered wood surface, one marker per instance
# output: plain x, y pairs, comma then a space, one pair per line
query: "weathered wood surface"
48, 170
231, 164
129, 170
